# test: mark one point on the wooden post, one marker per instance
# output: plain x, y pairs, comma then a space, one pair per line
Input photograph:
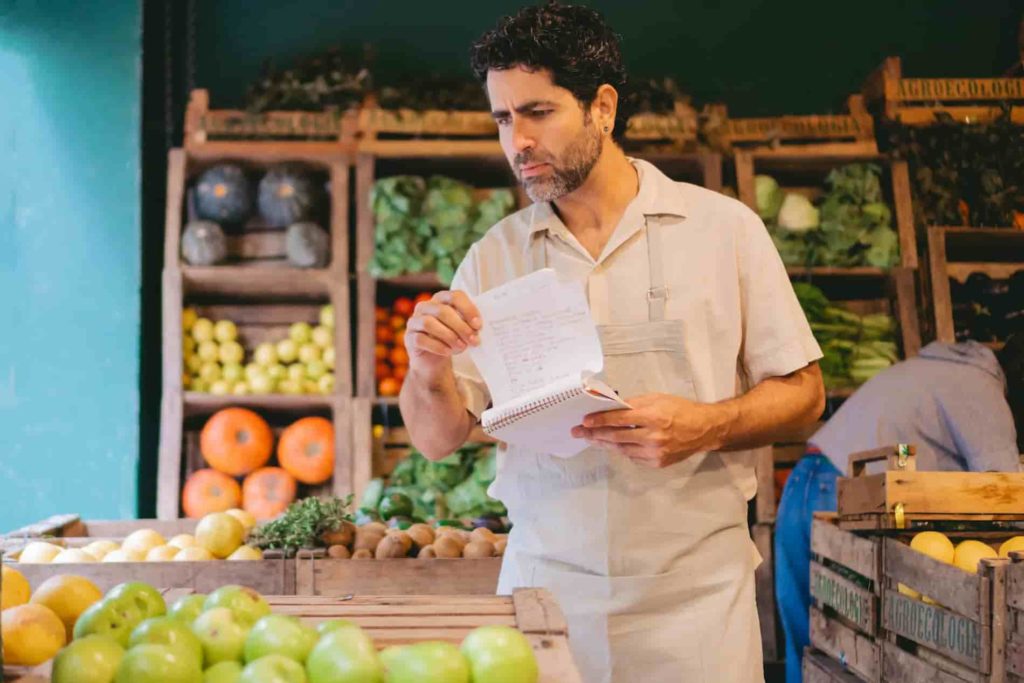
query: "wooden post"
941, 299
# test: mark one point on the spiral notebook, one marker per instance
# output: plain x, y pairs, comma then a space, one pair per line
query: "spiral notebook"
541, 359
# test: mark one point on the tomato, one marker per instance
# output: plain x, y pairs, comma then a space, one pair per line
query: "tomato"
397, 322
389, 386
381, 314
403, 306
382, 371
399, 357
385, 335
423, 297
380, 352
400, 372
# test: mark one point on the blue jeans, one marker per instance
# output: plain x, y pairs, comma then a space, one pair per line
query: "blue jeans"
810, 488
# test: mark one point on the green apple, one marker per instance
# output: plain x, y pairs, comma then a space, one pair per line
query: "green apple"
232, 372
329, 357
225, 331
231, 352
220, 388
145, 597
273, 669
208, 351
252, 369
209, 372
92, 659
112, 618
300, 333
221, 635
149, 663
223, 672
325, 627
168, 631
288, 386
315, 369
327, 316
202, 330
277, 372
187, 607
322, 336
278, 634
287, 351
310, 387
344, 654
247, 605
240, 389
326, 383
500, 654
261, 384
426, 662
296, 372
265, 354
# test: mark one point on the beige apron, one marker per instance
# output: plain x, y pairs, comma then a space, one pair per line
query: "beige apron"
654, 568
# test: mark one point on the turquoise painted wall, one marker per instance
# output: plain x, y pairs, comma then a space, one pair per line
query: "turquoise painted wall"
69, 258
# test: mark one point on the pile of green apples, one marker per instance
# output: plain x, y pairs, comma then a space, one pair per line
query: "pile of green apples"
215, 362
231, 636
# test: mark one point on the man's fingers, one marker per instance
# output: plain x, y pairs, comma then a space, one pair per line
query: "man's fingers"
437, 330
421, 341
463, 305
613, 418
617, 435
449, 317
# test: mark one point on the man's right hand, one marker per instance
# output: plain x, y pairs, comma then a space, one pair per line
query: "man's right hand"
439, 329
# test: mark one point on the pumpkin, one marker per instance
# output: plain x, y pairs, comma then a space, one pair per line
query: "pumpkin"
268, 492
207, 491
306, 450
307, 245
236, 441
224, 194
287, 194
203, 243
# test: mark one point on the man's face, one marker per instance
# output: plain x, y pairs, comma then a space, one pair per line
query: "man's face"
550, 142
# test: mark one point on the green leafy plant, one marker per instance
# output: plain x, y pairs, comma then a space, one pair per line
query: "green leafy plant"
303, 524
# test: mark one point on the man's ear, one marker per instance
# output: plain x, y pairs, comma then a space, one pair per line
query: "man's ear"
604, 106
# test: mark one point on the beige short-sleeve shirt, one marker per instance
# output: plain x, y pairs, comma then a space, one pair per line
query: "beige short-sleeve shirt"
742, 322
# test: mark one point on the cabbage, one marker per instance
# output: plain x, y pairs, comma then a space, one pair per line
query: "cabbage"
769, 197
797, 214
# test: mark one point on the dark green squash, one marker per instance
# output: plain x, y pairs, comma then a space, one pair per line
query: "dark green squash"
203, 244
288, 194
224, 194
307, 245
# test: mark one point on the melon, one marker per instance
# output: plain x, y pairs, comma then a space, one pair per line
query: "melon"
307, 245
288, 194
224, 194
203, 243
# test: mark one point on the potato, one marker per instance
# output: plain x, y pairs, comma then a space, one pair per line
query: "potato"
375, 526
343, 535
339, 552
362, 555
367, 540
483, 534
421, 534
391, 546
478, 550
427, 553
499, 547
447, 546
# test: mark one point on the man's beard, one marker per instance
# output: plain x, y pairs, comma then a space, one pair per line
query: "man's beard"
568, 173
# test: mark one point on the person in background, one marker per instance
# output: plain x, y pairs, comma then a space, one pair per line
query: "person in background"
960, 405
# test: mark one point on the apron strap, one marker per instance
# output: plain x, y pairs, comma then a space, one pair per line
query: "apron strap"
657, 295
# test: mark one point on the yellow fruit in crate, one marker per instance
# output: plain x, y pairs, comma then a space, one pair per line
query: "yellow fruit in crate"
220, 533
188, 345
287, 351
31, 634
199, 385
246, 518
935, 545
246, 552
73, 556
277, 372
240, 389
310, 386
315, 370
265, 354
194, 554
300, 333
329, 358
252, 370
289, 386
142, 541
202, 330
14, 588
225, 331
68, 596
208, 352
209, 372
39, 552
327, 316
122, 555
968, 553
186, 381
232, 372
322, 336
309, 353
296, 372
231, 352
193, 363
326, 384
261, 384
99, 549
182, 541
220, 388
189, 316
162, 553
1015, 544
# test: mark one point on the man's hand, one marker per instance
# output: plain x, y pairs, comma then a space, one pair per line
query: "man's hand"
660, 430
439, 329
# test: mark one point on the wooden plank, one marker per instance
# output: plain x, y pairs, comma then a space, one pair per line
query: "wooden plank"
906, 309
399, 577
271, 151
949, 493
400, 603
899, 665
819, 668
339, 296
862, 555
829, 271
554, 659
197, 403
904, 211
959, 89
942, 301
950, 634
967, 594
999, 271
897, 457
711, 170
362, 446
341, 418
842, 643
995, 572
236, 280
174, 205
538, 612
250, 314
434, 149
744, 164
764, 592
856, 604
366, 335
171, 405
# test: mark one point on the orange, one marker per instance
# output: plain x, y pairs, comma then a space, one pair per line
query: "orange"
389, 386
399, 357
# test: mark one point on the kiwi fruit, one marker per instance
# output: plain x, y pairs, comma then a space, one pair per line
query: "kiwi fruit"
362, 555
447, 546
391, 546
478, 550
339, 552
343, 535
427, 553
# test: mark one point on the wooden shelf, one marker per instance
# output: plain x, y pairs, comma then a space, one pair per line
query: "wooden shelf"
237, 280
200, 403
829, 271
386, 400
413, 281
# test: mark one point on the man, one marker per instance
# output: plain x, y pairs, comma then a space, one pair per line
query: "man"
956, 403
642, 537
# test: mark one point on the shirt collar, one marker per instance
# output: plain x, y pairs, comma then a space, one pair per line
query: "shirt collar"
658, 195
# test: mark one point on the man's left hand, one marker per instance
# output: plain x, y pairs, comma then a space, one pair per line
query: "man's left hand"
659, 430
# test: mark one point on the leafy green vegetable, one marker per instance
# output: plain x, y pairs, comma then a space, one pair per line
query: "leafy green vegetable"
769, 197
302, 524
797, 214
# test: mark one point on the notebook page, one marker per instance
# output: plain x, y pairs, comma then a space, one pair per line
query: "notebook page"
537, 329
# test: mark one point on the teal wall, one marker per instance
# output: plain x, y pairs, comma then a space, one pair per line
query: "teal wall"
69, 258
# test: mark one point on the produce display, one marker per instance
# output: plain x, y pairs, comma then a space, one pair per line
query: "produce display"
390, 356
218, 536
855, 347
851, 225
965, 555
988, 309
238, 443
216, 362
428, 225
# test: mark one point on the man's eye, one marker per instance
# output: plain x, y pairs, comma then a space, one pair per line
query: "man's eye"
540, 113
503, 120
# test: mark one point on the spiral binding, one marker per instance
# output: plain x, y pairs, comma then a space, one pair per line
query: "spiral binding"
510, 416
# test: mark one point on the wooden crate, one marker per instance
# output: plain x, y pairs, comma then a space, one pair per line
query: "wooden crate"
820, 668
850, 133
1013, 617
956, 252
919, 101
845, 581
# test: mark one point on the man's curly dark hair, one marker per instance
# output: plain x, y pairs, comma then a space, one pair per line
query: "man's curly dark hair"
571, 41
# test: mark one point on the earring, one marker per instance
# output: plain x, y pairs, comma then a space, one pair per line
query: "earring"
606, 129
